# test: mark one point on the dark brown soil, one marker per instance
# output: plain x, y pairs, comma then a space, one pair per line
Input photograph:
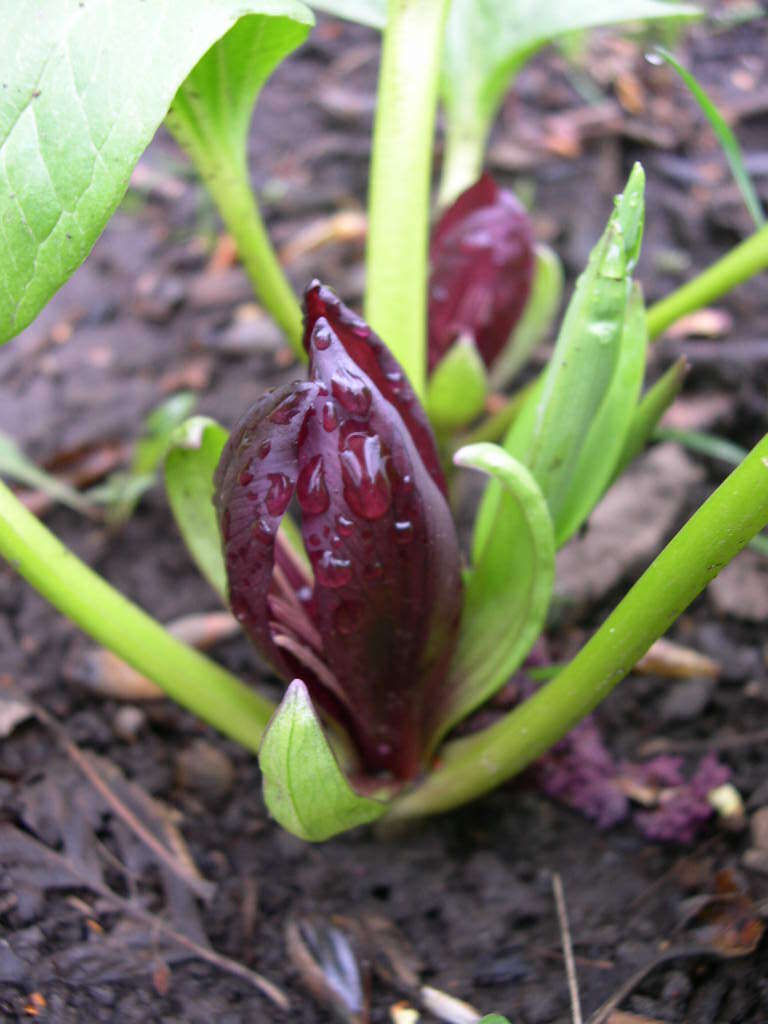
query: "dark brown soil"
472, 890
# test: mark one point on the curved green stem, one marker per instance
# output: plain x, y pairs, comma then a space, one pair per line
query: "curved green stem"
401, 164
723, 525
191, 679
746, 260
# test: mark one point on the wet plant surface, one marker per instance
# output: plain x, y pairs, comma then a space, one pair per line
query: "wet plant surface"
161, 306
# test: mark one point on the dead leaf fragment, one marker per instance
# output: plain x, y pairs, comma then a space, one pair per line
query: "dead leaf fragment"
674, 661
13, 713
328, 954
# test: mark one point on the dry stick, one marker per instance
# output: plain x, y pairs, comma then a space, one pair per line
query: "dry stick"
565, 935
602, 1015
199, 886
662, 745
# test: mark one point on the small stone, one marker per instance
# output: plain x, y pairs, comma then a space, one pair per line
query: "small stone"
157, 297
205, 770
128, 722
759, 828
686, 700
741, 589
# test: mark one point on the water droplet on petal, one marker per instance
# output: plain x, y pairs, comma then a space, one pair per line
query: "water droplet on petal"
330, 416
279, 494
245, 478
311, 489
262, 531
363, 468
331, 571
322, 335
264, 449
345, 525
403, 531
352, 392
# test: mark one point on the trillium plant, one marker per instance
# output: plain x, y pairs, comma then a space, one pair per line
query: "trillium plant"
324, 519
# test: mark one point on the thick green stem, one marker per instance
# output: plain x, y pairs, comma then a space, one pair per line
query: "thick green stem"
401, 165
746, 260
239, 210
191, 679
463, 155
723, 525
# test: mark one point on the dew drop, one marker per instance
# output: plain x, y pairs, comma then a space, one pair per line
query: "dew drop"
331, 571
262, 531
311, 489
245, 478
345, 525
347, 617
279, 494
403, 531
322, 335
352, 392
330, 416
264, 449
363, 469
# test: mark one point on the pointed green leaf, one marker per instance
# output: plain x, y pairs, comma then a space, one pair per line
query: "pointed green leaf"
14, 465
601, 451
457, 387
85, 86
649, 411
304, 788
553, 425
486, 44
507, 592
196, 448
540, 310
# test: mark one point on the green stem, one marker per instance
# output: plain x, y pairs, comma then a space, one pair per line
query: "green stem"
746, 260
239, 210
401, 165
191, 679
723, 525
463, 154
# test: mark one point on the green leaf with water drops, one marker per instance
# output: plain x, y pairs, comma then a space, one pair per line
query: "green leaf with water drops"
602, 447
304, 787
508, 589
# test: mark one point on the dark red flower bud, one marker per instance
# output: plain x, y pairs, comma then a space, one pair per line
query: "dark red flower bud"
482, 260
372, 632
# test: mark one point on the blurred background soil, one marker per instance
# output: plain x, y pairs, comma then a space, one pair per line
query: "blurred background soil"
161, 306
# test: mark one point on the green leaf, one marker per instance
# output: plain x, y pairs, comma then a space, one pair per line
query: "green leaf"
649, 411
14, 465
725, 137
493, 1018
457, 387
85, 87
554, 424
304, 788
540, 310
488, 41
365, 12
507, 592
605, 440
196, 448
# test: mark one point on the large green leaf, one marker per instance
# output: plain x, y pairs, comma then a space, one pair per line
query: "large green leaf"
304, 787
85, 86
486, 44
507, 592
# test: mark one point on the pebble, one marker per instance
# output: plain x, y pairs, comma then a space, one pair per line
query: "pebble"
686, 700
156, 298
205, 770
128, 722
759, 828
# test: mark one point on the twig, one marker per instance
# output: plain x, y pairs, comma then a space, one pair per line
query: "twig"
663, 745
602, 1015
200, 886
565, 935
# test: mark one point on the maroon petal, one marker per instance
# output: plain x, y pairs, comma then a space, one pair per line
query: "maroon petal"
373, 357
482, 260
254, 483
382, 543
